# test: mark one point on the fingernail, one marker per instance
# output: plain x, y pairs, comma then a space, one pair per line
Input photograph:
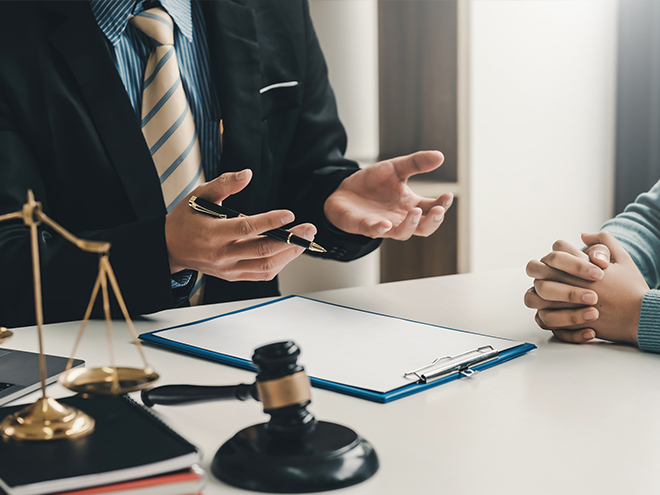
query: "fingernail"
588, 335
448, 203
601, 256
240, 175
415, 218
596, 273
438, 218
590, 315
590, 298
287, 218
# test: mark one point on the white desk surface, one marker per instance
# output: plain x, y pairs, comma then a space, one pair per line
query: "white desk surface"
569, 419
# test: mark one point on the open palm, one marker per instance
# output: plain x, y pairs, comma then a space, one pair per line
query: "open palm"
377, 201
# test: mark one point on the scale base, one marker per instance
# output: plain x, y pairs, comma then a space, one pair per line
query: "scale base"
46, 419
329, 457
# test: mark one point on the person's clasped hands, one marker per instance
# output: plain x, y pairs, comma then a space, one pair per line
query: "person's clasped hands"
596, 292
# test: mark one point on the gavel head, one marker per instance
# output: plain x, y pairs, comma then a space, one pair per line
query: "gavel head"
284, 389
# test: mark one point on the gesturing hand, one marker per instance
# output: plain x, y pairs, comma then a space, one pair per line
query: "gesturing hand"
578, 300
231, 249
377, 201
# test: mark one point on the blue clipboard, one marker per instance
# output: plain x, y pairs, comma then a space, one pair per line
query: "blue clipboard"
431, 374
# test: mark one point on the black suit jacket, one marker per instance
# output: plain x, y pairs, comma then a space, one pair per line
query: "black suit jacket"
69, 133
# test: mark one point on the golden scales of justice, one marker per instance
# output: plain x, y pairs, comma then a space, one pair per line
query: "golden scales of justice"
47, 419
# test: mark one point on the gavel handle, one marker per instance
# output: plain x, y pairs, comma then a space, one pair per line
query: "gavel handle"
170, 395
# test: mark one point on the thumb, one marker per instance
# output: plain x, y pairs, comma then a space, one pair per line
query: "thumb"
599, 254
609, 242
417, 163
224, 186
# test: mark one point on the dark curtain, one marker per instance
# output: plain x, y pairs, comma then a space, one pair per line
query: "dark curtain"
638, 100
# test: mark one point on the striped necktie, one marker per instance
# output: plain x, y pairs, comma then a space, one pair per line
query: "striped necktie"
167, 121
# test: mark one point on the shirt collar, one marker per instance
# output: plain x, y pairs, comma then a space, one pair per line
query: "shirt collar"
112, 16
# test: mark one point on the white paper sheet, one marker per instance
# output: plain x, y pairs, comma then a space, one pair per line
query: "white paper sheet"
338, 344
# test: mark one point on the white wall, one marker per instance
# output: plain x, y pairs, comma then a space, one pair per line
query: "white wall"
541, 125
348, 33
538, 116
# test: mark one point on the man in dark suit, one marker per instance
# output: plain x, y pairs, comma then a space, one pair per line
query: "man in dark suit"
70, 132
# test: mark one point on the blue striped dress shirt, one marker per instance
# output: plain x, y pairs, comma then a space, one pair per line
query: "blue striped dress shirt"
132, 49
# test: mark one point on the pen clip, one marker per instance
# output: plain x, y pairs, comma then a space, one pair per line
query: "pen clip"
461, 363
192, 202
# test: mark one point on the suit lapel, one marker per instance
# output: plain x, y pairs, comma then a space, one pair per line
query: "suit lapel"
234, 51
82, 44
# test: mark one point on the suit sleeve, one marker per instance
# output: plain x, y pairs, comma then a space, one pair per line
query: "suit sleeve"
317, 155
67, 273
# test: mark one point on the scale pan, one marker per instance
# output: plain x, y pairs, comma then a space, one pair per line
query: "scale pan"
107, 380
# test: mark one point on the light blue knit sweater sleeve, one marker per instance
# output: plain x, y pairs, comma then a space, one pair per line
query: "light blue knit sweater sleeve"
637, 228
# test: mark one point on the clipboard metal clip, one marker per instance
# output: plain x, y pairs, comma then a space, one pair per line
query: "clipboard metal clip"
461, 364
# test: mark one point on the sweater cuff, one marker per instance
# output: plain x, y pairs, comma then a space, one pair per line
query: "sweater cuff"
648, 330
